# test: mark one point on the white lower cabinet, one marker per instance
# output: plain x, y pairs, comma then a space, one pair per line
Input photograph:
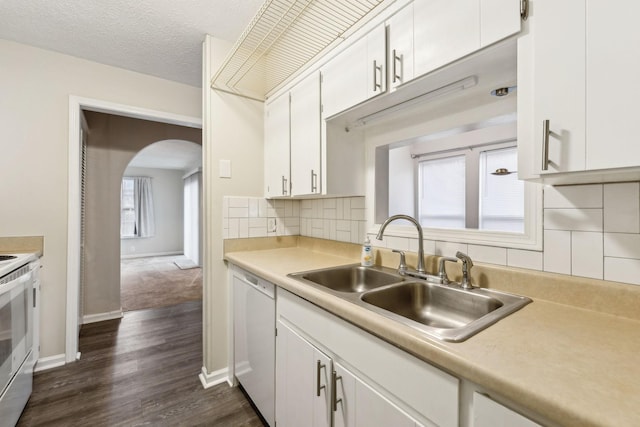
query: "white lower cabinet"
328, 369
302, 381
489, 413
360, 405
312, 389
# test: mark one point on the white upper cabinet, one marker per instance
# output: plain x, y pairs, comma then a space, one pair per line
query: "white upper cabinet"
356, 74
276, 147
400, 28
569, 117
306, 136
613, 86
376, 61
444, 31
498, 19
559, 83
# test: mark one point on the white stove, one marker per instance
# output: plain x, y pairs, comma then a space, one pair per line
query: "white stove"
18, 289
9, 262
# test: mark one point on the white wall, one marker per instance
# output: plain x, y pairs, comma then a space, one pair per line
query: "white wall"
232, 130
167, 187
34, 132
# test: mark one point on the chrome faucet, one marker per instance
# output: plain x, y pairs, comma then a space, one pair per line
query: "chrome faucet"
420, 267
465, 283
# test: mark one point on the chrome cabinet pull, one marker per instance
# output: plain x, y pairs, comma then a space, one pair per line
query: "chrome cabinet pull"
319, 367
396, 59
314, 181
284, 185
377, 68
334, 393
545, 145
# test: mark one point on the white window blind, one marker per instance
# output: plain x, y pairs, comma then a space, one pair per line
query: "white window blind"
441, 201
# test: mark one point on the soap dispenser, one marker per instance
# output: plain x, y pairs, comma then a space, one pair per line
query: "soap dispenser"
366, 259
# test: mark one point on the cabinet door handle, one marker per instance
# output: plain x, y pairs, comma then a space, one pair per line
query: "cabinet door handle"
545, 145
334, 391
284, 185
396, 59
319, 367
377, 68
314, 181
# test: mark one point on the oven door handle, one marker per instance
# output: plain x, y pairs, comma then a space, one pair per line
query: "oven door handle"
18, 281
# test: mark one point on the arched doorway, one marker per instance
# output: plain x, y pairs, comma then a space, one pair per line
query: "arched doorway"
160, 226
112, 142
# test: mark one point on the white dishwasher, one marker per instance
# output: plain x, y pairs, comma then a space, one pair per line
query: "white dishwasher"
254, 325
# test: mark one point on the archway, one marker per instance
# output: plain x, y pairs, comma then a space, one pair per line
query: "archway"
160, 227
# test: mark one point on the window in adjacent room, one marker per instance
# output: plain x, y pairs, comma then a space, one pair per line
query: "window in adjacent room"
136, 207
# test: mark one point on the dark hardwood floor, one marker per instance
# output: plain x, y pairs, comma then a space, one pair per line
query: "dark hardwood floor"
141, 370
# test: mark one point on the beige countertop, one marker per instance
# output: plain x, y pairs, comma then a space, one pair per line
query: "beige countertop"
568, 365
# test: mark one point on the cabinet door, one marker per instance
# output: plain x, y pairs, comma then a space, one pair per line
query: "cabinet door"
444, 31
558, 30
613, 87
302, 381
400, 28
359, 405
498, 19
344, 81
305, 136
376, 61
487, 413
276, 147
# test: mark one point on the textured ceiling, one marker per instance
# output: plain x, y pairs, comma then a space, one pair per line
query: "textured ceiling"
162, 38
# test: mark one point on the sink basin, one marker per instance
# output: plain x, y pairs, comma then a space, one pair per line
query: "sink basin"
444, 312
350, 278
435, 306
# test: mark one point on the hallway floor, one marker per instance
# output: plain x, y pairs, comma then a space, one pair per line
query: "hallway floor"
141, 370
157, 282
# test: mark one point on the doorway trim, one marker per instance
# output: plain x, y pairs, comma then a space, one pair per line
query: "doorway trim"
77, 103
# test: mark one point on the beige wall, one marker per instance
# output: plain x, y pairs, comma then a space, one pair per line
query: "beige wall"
232, 130
112, 142
35, 86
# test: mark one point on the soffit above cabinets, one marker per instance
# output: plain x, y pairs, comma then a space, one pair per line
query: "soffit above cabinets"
283, 37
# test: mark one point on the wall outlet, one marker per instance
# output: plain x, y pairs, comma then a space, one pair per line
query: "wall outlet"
271, 225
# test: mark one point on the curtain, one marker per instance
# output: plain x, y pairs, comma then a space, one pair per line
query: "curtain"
143, 207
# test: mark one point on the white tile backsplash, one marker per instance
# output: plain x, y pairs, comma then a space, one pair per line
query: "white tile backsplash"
586, 254
557, 251
524, 259
622, 245
589, 230
573, 219
622, 207
574, 196
487, 254
622, 270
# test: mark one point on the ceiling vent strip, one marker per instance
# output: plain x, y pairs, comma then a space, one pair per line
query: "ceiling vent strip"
283, 37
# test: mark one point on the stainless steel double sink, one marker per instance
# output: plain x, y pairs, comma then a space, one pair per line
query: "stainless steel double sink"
444, 312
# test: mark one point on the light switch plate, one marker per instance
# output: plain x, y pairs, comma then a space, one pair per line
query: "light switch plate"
225, 168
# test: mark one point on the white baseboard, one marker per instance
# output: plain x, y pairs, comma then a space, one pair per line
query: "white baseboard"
214, 378
100, 317
49, 362
130, 256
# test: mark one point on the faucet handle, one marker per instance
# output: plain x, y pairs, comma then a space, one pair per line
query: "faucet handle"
465, 283
442, 273
402, 268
